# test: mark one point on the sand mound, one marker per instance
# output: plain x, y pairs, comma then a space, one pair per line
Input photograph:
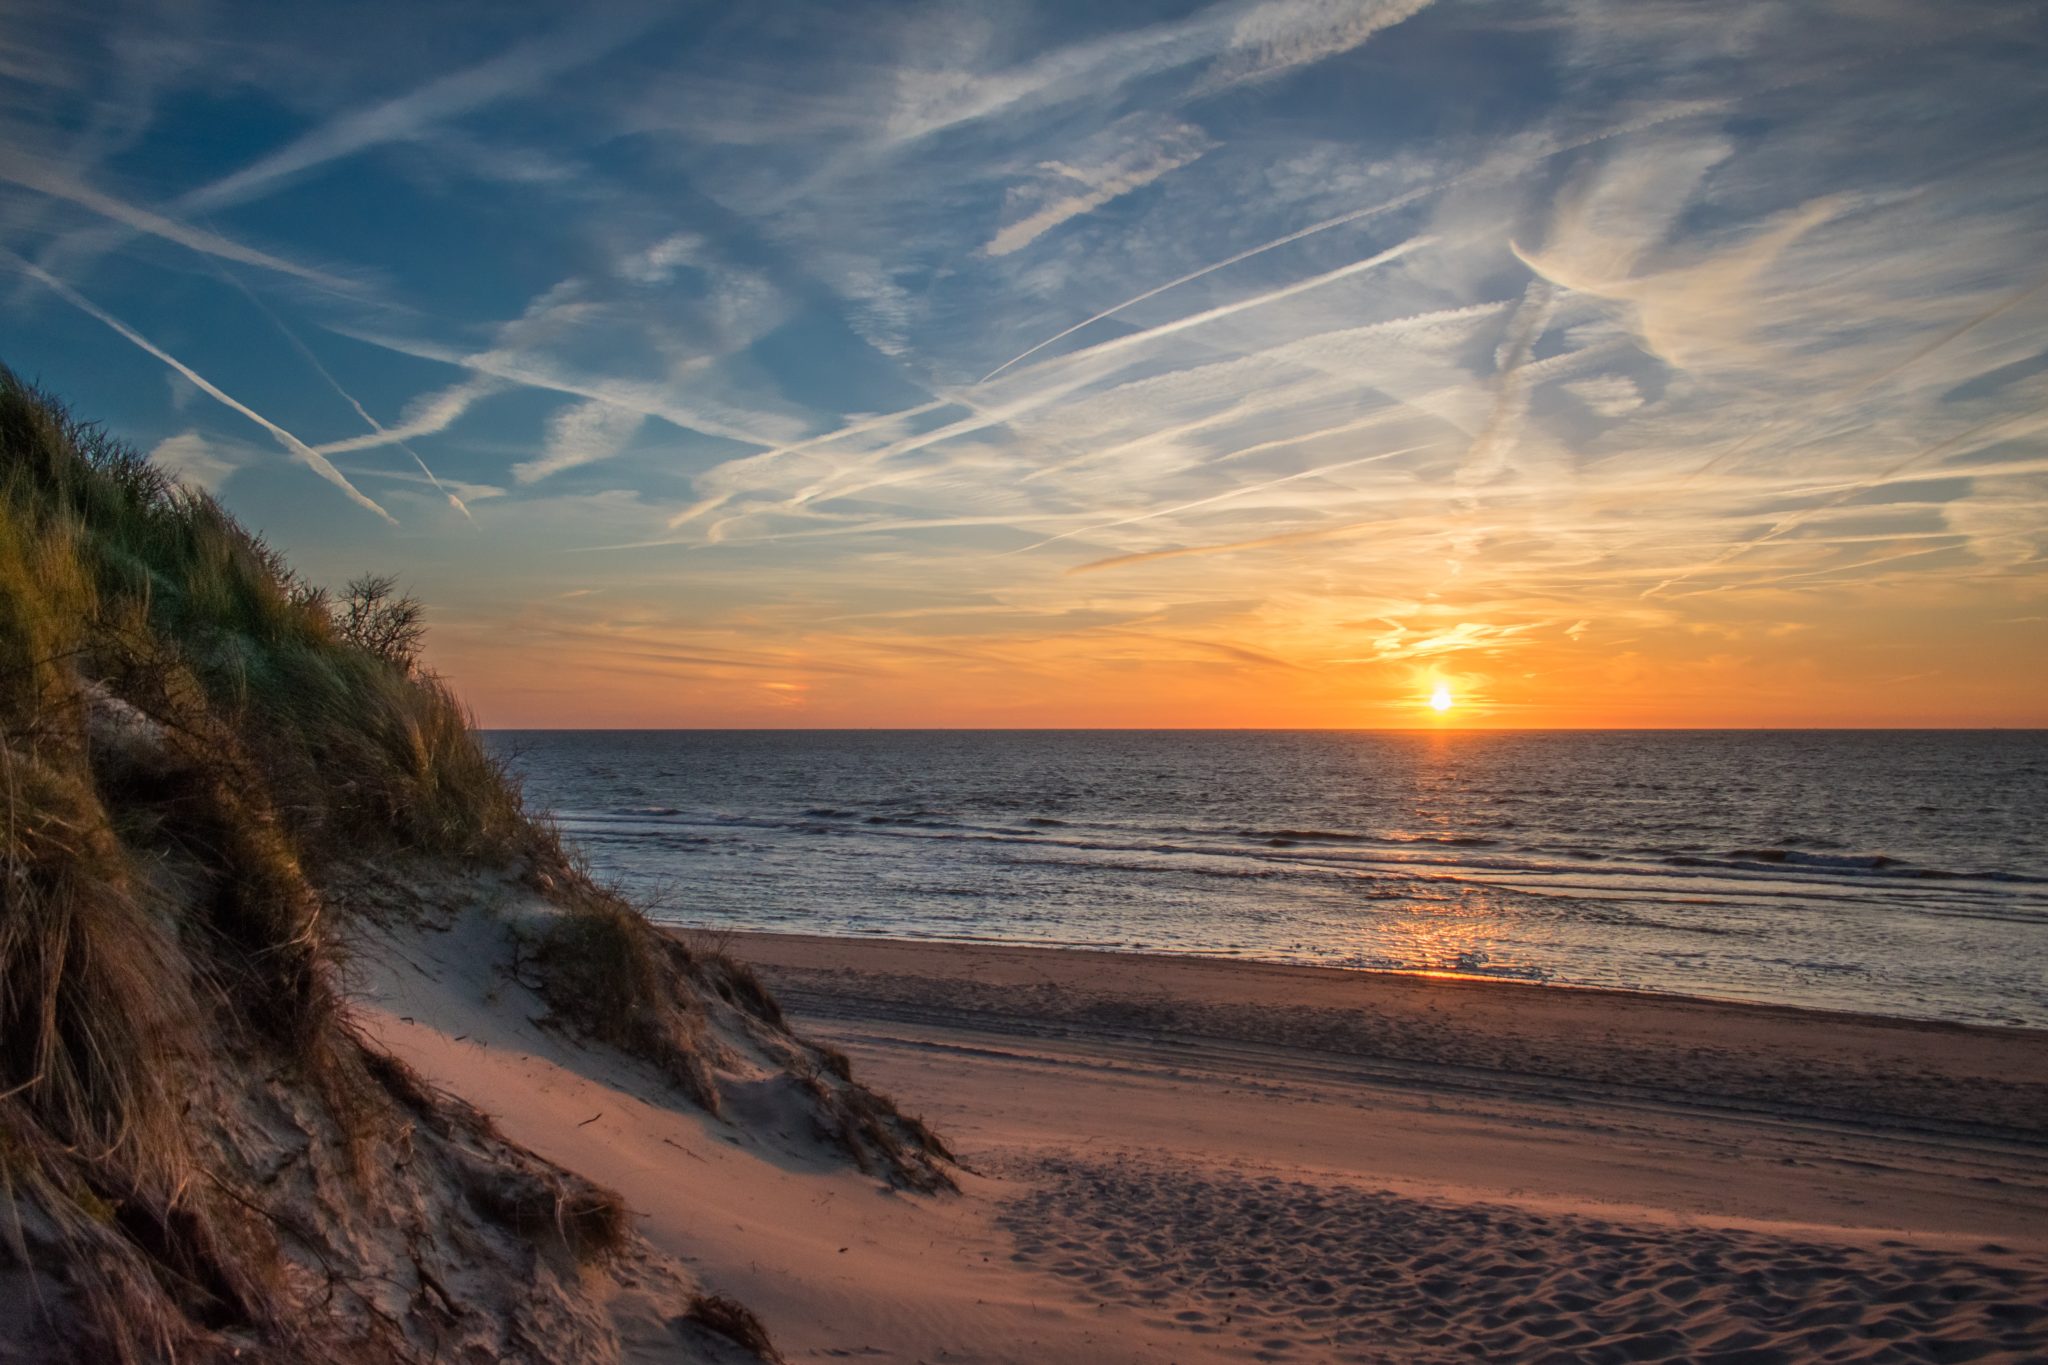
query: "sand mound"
1315, 1272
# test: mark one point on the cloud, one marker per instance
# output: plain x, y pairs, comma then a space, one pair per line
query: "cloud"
1705, 312
1521, 159
1462, 638
452, 491
1280, 35
403, 117
635, 336
198, 461
1609, 395
1241, 42
657, 264
1259, 300
1076, 188
1731, 355
1285, 538
930, 98
583, 433
427, 415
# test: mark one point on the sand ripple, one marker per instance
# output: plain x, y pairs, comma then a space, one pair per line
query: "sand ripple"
1312, 1272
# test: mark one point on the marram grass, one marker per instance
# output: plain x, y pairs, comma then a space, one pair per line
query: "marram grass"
196, 748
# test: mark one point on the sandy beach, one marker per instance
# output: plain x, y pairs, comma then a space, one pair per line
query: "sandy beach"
1175, 1160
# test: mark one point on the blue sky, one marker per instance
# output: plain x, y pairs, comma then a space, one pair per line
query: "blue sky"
1238, 363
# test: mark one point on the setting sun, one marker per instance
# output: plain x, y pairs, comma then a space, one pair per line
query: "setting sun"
1440, 700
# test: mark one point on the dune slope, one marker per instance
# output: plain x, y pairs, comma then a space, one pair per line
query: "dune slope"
207, 768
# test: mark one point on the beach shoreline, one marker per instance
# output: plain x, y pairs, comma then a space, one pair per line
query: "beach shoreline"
1866, 1070
1484, 980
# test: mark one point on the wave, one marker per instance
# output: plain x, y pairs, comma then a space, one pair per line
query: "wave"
1795, 858
1395, 853
1478, 963
1879, 864
1284, 838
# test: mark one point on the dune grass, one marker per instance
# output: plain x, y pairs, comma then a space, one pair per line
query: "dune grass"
188, 733
194, 742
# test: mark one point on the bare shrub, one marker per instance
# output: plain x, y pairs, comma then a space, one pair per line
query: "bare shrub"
376, 618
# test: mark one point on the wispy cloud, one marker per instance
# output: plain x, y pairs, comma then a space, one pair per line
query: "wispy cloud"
1277, 36
517, 70
1703, 312
430, 414
1068, 189
199, 460
583, 433
1517, 162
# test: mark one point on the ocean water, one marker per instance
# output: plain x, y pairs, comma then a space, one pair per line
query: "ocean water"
1902, 873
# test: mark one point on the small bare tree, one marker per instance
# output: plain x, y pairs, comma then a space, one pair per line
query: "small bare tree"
374, 616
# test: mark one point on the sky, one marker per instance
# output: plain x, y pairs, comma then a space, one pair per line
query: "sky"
1277, 363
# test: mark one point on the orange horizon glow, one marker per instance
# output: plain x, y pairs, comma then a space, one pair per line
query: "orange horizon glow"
624, 674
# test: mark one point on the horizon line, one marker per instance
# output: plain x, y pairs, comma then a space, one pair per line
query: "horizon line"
1268, 729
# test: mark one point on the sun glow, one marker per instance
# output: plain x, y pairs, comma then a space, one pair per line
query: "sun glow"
1440, 700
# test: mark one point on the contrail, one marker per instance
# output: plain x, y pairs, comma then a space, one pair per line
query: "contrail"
1854, 391
312, 458
1220, 497
1399, 201
1955, 333
1285, 291
347, 397
855, 428
1349, 528
54, 184
395, 120
1671, 115
984, 417
1797, 519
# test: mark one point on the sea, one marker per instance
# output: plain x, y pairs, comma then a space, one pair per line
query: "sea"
1901, 873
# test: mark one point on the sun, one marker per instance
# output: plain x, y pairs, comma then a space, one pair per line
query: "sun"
1440, 700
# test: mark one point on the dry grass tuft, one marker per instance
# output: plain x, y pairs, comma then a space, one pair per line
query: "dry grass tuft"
608, 975
734, 1321
881, 1139
589, 1222
736, 983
